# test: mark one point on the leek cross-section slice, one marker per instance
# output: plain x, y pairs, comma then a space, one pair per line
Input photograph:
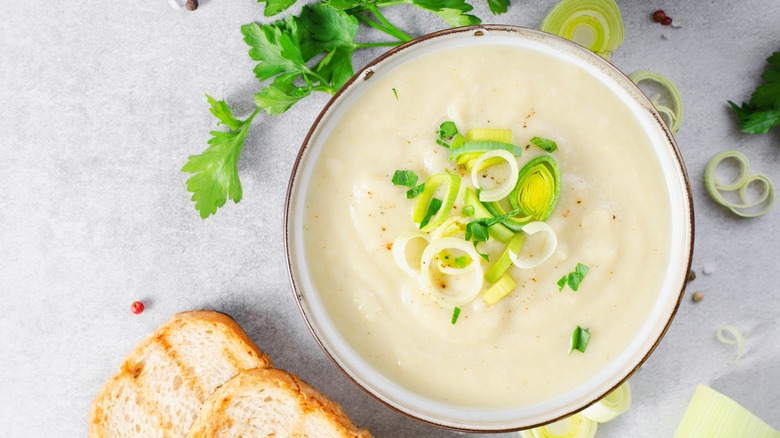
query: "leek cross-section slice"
538, 188
596, 25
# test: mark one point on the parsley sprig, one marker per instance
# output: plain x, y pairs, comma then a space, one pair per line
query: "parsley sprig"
762, 113
297, 56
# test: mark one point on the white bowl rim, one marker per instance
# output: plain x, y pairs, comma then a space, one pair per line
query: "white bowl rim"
671, 306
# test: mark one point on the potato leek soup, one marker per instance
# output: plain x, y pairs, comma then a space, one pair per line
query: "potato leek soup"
488, 226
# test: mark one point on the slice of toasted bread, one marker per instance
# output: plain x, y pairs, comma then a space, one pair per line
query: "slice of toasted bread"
271, 402
162, 384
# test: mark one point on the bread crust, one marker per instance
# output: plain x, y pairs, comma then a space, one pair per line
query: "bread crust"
129, 384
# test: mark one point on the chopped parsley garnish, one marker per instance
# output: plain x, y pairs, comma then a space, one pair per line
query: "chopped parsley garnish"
395, 92
415, 191
477, 231
433, 207
579, 339
762, 113
462, 261
455, 315
405, 178
545, 144
447, 131
574, 278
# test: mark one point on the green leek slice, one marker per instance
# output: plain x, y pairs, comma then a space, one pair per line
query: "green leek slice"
499, 290
596, 25
538, 188
745, 208
504, 261
489, 134
575, 426
736, 339
532, 260
424, 200
478, 147
498, 231
462, 290
713, 415
400, 251
491, 158
673, 115
612, 405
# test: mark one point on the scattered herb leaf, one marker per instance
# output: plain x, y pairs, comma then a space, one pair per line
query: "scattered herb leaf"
455, 315
579, 339
477, 231
462, 261
545, 144
395, 93
762, 113
415, 191
498, 6
574, 278
405, 178
433, 207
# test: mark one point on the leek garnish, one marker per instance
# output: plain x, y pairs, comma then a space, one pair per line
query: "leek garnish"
713, 415
579, 339
538, 188
468, 210
612, 405
673, 115
489, 134
499, 290
422, 207
574, 278
735, 339
451, 296
545, 144
533, 260
575, 426
433, 208
415, 191
400, 252
488, 159
472, 149
405, 178
745, 207
455, 315
594, 24
504, 261
498, 231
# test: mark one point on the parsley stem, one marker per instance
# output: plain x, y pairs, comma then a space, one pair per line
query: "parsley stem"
386, 26
383, 44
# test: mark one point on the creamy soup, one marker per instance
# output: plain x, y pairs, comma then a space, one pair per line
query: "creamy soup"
612, 215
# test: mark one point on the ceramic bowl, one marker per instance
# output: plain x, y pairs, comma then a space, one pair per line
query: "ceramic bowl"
484, 420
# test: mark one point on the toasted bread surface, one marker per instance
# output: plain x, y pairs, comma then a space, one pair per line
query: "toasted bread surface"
271, 402
161, 385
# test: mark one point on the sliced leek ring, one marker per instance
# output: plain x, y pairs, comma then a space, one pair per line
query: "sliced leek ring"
529, 261
424, 200
596, 25
453, 225
673, 116
735, 338
399, 251
612, 405
575, 426
489, 159
538, 188
743, 180
469, 281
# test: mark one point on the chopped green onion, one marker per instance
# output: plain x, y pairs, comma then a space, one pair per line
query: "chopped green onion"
545, 144
478, 147
489, 134
532, 260
455, 315
745, 208
579, 339
712, 414
489, 159
504, 261
468, 210
415, 191
422, 206
498, 231
596, 25
574, 278
574, 426
456, 293
612, 405
400, 252
433, 208
499, 290
405, 178
735, 339
538, 188
673, 115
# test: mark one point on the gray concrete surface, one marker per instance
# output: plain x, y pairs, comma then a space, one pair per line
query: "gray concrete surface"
102, 102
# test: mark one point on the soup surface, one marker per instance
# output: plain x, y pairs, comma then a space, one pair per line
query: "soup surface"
612, 215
